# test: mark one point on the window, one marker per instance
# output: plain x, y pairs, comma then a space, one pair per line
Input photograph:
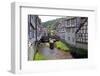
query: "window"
75, 21
73, 39
65, 23
73, 30
68, 22
68, 38
72, 21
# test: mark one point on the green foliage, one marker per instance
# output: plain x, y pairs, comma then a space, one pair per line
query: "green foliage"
82, 53
79, 52
62, 46
39, 56
49, 24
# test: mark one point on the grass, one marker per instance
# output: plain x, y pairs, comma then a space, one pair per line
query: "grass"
79, 52
60, 45
39, 56
76, 52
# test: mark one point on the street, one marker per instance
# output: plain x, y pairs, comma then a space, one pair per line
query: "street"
55, 53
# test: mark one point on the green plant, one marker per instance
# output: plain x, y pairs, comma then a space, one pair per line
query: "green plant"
60, 45
76, 52
39, 56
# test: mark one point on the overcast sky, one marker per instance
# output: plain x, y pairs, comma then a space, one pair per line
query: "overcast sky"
47, 18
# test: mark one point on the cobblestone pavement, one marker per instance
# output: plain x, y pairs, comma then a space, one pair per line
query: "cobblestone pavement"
54, 53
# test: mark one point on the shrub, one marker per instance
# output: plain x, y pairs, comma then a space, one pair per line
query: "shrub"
39, 56
60, 45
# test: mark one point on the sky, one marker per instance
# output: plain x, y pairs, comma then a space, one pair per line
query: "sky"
47, 18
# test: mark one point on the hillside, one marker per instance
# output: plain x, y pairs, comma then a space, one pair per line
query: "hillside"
49, 24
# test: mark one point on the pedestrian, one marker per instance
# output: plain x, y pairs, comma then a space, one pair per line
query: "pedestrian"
51, 41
